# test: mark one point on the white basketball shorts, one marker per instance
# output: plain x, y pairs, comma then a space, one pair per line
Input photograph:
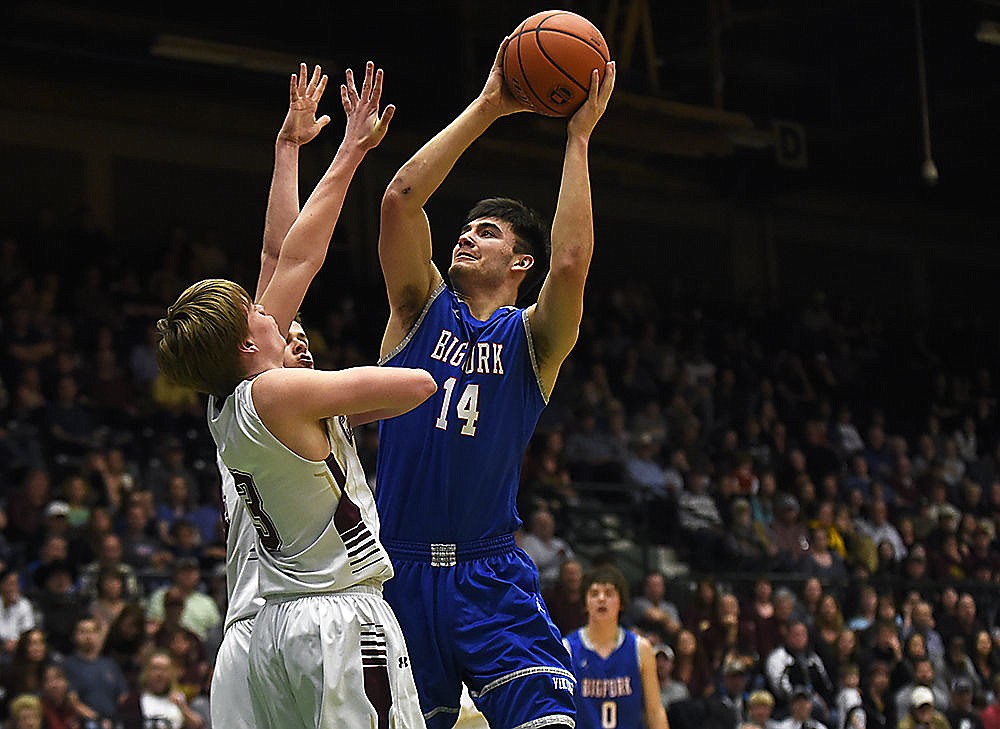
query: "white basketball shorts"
331, 660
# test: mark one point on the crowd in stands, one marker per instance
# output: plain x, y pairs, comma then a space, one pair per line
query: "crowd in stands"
831, 478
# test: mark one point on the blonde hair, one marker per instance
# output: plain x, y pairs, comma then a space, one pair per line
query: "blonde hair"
201, 335
25, 702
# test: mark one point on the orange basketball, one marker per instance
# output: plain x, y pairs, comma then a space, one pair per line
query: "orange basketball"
549, 59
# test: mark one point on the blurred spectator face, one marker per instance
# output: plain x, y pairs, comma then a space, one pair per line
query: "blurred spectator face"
10, 589
915, 646
983, 643
760, 713
798, 638
812, 590
571, 576
653, 587
159, 674
923, 672
762, 590
87, 636
36, 646
966, 608
543, 525
55, 687
847, 642
177, 490
111, 549
686, 643
923, 616
879, 680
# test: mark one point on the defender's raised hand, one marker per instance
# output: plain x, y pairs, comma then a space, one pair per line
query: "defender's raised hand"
304, 93
586, 117
365, 127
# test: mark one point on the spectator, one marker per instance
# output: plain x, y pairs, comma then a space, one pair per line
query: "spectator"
957, 664
990, 715
789, 532
795, 664
878, 528
877, 710
25, 712
985, 660
23, 675
59, 605
61, 707
801, 711
925, 676
691, 665
922, 623
200, 613
141, 548
546, 550
564, 600
822, 563
17, 614
159, 702
651, 612
700, 521
672, 691
95, 678
922, 712
960, 712
727, 706
848, 695
760, 704
109, 600
127, 641
758, 615
109, 559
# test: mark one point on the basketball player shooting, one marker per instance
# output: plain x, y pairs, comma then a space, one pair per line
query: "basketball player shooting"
467, 598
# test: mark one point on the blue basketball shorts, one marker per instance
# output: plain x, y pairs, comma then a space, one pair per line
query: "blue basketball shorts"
473, 612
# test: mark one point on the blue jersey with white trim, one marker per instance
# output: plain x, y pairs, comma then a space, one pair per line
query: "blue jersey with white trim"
448, 470
608, 690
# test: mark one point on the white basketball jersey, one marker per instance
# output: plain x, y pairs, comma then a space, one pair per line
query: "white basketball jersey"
316, 524
241, 553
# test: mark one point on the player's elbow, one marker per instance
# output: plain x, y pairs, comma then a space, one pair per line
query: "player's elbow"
425, 385
399, 195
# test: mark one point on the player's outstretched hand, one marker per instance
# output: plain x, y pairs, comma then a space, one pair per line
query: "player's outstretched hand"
364, 125
301, 125
586, 117
495, 93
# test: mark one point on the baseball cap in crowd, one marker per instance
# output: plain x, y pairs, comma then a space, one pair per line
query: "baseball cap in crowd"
666, 650
921, 695
961, 684
761, 697
57, 508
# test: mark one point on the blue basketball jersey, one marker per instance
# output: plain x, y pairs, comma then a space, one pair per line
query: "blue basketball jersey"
608, 690
449, 469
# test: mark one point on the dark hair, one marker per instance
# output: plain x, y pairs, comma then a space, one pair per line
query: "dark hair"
531, 234
606, 574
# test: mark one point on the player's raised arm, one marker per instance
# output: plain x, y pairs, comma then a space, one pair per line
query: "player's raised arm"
304, 249
286, 397
405, 237
299, 127
555, 318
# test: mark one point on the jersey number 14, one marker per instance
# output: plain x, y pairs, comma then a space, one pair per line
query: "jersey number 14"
466, 409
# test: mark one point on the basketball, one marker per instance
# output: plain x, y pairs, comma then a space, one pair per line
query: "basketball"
549, 59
